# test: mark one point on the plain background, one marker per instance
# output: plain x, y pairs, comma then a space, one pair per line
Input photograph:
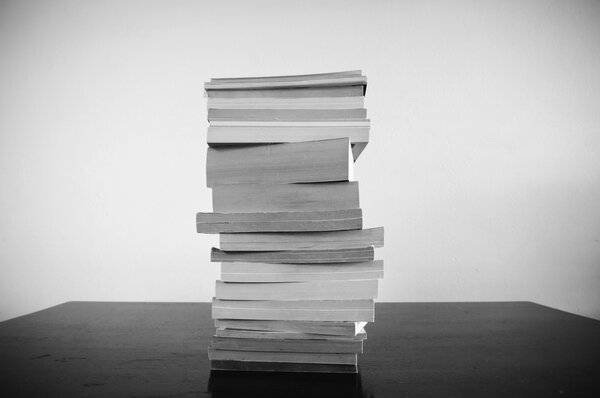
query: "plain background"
483, 166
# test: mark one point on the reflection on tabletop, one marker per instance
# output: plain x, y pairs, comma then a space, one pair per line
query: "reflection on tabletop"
272, 384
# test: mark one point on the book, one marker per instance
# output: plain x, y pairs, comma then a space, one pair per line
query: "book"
329, 220
268, 241
307, 81
296, 92
294, 123
313, 161
297, 256
265, 272
241, 366
313, 290
285, 357
261, 334
249, 198
287, 78
323, 345
327, 327
239, 135
287, 103
286, 114
300, 310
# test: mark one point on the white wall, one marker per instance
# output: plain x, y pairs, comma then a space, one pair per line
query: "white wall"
484, 164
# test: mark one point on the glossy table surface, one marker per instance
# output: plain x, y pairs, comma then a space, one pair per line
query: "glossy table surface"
101, 349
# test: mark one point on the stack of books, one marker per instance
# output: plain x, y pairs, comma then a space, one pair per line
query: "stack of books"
298, 271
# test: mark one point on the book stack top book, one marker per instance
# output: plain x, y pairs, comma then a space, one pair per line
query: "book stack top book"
298, 270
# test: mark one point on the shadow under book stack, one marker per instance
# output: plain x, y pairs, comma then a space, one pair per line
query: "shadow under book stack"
298, 274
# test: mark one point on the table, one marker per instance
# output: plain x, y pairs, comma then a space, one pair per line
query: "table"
102, 349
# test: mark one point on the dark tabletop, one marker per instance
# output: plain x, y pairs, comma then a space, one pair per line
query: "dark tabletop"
415, 350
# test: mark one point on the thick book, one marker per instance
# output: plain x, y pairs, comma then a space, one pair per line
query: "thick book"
249, 198
313, 161
286, 114
286, 357
297, 256
330, 220
299, 310
302, 240
287, 103
296, 92
248, 366
330, 345
305, 81
261, 334
313, 290
265, 272
240, 135
327, 327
